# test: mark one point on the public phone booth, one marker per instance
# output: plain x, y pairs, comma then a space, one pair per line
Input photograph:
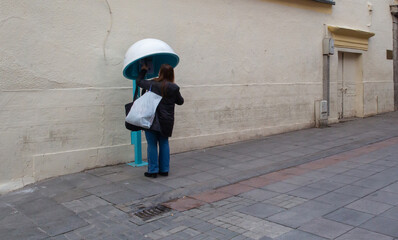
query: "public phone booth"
154, 53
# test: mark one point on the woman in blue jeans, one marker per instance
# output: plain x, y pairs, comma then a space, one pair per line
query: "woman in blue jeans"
162, 126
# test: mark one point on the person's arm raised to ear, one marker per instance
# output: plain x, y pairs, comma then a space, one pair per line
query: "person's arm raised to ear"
140, 79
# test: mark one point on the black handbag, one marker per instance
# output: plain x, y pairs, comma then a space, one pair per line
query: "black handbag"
127, 108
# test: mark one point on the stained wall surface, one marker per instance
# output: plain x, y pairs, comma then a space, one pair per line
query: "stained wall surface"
249, 68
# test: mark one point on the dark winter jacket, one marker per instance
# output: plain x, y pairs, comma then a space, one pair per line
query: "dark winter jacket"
164, 118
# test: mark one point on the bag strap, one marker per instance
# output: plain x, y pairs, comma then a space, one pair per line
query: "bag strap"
135, 93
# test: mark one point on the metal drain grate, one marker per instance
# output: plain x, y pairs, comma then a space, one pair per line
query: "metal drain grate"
149, 213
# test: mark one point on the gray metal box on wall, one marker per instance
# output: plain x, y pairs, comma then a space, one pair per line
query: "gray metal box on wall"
323, 109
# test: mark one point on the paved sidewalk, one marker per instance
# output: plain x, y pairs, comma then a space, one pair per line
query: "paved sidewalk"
339, 183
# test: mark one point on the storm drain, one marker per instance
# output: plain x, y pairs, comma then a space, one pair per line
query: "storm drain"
152, 212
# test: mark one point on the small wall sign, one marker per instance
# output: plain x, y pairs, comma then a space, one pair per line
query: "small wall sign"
389, 54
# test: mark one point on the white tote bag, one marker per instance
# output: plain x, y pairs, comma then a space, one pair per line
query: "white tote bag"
143, 110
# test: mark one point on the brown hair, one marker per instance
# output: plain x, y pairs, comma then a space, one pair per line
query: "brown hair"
166, 74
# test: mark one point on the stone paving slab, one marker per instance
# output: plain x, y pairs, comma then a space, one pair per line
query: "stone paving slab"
291, 218
349, 216
345, 179
326, 184
18, 226
384, 197
314, 208
356, 191
308, 192
325, 228
285, 201
383, 225
299, 235
261, 210
369, 206
6, 210
144, 188
122, 196
61, 224
70, 195
363, 234
391, 188
391, 213
85, 204
255, 228
336, 199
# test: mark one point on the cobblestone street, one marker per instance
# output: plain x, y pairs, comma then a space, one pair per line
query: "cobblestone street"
339, 182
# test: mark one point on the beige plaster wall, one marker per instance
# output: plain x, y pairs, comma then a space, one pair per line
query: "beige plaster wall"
249, 68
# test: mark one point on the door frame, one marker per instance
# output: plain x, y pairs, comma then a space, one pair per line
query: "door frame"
359, 99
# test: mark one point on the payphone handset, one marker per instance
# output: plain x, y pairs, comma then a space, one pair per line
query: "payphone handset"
149, 63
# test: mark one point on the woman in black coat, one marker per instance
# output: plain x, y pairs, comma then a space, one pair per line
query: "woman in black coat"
162, 126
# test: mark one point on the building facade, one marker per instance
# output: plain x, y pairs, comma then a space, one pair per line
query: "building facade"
248, 69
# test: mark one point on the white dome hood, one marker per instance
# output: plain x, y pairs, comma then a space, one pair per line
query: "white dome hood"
156, 50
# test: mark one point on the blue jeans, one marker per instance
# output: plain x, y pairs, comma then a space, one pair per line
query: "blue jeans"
155, 163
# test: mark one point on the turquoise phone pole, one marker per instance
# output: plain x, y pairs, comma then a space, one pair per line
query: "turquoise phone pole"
136, 141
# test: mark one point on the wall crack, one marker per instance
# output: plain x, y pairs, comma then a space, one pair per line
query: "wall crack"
108, 32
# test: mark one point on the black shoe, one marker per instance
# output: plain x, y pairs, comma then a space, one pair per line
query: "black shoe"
165, 174
152, 175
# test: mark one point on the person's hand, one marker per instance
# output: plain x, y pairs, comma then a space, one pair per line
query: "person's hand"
144, 67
